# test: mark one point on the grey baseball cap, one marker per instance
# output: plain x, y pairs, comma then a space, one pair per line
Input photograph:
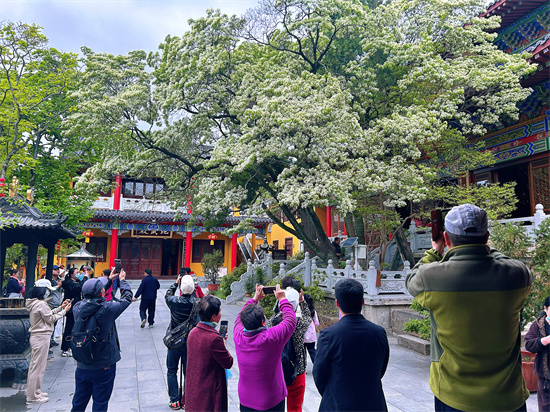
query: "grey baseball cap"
466, 220
93, 286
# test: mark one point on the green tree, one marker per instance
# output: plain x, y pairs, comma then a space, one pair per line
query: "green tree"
305, 103
35, 81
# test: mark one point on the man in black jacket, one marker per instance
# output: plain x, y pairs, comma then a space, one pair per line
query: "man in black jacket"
97, 380
180, 309
148, 292
73, 291
352, 356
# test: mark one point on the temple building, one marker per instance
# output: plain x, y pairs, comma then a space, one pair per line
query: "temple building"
521, 150
131, 225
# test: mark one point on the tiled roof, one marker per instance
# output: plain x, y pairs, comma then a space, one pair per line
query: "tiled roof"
511, 10
18, 214
168, 216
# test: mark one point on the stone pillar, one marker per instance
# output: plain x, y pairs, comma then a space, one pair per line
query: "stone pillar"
307, 270
282, 270
330, 273
372, 290
539, 215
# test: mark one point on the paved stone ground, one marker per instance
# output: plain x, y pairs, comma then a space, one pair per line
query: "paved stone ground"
140, 384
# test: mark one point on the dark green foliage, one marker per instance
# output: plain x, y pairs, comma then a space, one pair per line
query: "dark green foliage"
235, 275
419, 327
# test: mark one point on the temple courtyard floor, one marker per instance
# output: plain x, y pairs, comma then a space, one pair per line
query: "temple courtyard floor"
140, 383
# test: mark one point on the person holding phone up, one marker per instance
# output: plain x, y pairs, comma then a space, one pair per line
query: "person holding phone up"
207, 359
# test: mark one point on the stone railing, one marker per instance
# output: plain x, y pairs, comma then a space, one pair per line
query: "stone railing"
374, 283
420, 238
126, 203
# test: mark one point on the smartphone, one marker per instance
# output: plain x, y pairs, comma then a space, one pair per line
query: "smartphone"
269, 290
223, 328
118, 265
182, 272
437, 224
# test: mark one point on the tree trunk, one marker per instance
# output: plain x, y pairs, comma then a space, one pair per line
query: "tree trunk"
349, 221
403, 246
317, 237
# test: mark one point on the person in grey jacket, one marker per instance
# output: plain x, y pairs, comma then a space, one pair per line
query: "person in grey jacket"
97, 380
42, 320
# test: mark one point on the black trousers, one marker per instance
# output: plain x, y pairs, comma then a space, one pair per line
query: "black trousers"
69, 324
149, 306
442, 407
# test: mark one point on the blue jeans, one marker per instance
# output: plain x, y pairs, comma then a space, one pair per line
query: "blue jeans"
172, 363
97, 384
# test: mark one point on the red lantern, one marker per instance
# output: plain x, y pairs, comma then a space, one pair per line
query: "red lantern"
87, 234
212, 237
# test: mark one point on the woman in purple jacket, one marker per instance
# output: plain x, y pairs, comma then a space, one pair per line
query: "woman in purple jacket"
537, 340
261, 381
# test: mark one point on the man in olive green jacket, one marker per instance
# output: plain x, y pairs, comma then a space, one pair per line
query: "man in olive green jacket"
475, 295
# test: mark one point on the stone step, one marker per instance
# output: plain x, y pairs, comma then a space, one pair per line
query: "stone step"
414, 343
400, 316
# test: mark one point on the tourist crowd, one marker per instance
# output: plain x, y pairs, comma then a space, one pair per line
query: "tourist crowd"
474, 295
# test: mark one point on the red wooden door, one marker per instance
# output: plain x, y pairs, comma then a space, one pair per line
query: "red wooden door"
140, 254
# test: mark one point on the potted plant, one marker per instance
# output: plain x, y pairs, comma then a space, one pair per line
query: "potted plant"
528, 369
211, 264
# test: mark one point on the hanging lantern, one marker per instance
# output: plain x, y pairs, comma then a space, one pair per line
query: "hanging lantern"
58, 246
87, 235
2, 187
212, 237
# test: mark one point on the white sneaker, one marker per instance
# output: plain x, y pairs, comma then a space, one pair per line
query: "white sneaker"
66, 354
38, 400
43, 394
143, 323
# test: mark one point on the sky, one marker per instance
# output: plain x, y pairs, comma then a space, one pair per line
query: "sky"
113, 26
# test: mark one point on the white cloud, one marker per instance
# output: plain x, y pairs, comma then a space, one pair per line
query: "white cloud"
115, 27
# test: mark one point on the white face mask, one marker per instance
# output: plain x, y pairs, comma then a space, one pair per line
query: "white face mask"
47, 293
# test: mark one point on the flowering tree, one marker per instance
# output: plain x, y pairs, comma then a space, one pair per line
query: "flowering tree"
303, 103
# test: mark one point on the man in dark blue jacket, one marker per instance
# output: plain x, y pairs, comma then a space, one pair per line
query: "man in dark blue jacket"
148, 292
352, 356
97, 380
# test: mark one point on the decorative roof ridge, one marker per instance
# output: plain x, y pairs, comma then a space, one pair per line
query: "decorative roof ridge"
166, 216
515, 126
21, 207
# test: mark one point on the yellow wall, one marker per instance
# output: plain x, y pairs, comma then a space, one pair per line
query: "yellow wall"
278, 233
197, 268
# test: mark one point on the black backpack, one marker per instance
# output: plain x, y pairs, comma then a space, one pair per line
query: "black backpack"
84, 339
5, 291
290, 362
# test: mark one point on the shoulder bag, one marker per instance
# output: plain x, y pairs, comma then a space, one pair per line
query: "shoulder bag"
176, 338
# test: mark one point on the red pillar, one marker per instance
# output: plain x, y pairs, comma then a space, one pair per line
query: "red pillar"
233, 251
114, 247
329, 222
188, 241
114, 235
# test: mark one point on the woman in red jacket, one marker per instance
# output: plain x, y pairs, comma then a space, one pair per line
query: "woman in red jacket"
537, 341
207, 359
